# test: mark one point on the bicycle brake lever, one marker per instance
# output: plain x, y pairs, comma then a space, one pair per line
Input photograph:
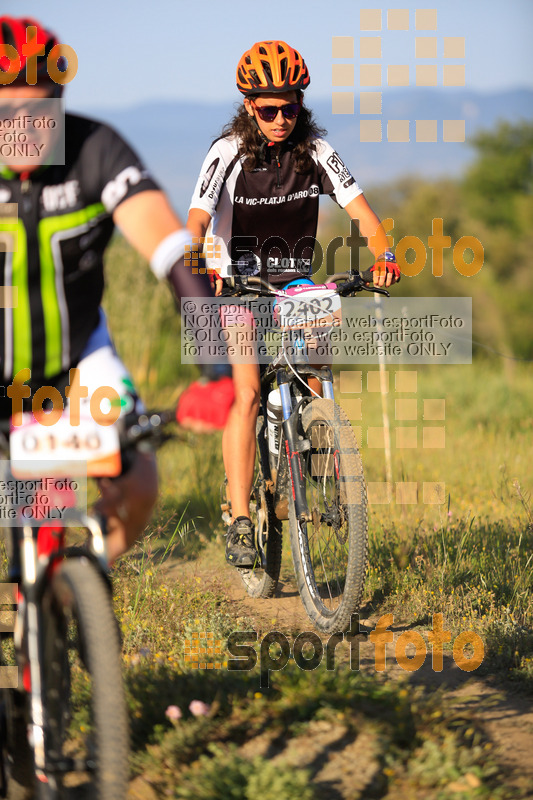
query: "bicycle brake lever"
376, 289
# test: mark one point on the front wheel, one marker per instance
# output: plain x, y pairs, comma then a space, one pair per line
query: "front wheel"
85, 719
329, 550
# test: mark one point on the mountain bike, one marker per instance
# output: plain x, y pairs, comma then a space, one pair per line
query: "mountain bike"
308, 465
66, 633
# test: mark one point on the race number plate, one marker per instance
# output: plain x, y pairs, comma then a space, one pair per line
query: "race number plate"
309, 307
61, 449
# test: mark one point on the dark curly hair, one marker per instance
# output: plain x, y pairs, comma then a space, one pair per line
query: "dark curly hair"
253, 144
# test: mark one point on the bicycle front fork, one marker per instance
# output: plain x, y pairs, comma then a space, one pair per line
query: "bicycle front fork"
295, 446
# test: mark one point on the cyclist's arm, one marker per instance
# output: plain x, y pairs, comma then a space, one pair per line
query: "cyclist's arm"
371, 228
145, 220
198, 223
151, 226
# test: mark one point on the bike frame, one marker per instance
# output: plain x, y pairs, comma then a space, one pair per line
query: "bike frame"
285, 370
35, 555
36, 570
290, 470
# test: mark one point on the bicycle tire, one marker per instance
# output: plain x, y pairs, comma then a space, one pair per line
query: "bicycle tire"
18, 756
77, 594
330, 552
261, 581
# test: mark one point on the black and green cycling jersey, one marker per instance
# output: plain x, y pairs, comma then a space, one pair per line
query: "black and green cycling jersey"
63, 225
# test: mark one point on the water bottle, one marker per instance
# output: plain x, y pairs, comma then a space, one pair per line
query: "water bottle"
274, 420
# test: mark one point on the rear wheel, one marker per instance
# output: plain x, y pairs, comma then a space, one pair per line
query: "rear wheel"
330, 549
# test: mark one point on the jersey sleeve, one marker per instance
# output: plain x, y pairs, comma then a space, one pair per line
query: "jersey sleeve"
335, 177
212, 176
121, 173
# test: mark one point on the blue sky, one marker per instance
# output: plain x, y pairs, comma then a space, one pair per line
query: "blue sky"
136, 50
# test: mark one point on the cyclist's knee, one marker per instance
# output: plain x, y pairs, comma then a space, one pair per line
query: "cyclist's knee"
141, 483
128, 501
247, 400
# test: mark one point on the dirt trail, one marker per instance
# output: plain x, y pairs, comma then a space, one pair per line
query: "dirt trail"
507, 718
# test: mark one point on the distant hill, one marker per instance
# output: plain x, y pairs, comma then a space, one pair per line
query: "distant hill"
174, 137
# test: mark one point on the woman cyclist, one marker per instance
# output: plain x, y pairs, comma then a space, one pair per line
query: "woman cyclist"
259, 186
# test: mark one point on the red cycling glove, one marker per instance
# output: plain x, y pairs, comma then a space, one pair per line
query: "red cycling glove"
205, 405
386, 262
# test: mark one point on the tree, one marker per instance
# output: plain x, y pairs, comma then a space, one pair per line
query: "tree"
501, 176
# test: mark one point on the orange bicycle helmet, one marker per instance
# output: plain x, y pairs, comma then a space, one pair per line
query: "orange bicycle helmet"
271, 67
13, 33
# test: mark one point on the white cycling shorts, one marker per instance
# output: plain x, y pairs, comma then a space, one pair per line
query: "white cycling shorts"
100, 366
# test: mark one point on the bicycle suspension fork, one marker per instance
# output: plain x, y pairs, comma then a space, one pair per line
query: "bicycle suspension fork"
293, 451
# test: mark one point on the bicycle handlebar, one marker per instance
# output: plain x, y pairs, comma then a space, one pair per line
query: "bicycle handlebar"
149, 425
353, 282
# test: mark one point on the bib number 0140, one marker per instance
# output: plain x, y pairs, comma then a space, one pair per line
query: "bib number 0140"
37, 450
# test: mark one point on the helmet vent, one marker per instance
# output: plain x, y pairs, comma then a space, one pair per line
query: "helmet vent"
267, 69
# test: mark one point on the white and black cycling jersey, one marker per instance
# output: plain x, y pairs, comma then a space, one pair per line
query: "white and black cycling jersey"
265, 221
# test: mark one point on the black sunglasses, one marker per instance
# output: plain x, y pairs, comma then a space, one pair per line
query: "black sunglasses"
269, 113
